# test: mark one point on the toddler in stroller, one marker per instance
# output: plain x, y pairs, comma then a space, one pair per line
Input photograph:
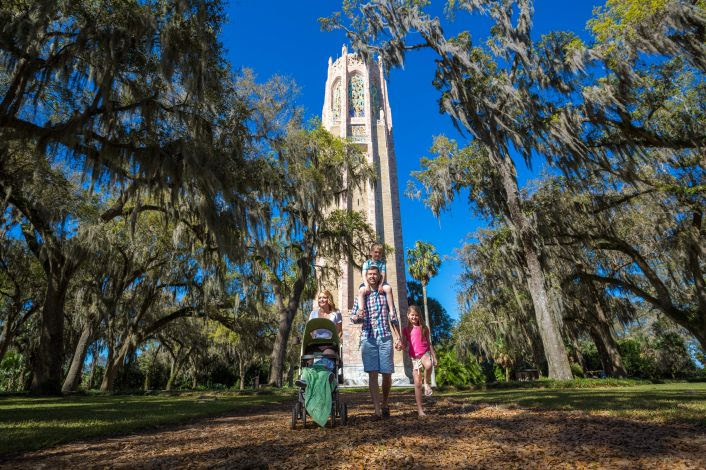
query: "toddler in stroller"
321, 372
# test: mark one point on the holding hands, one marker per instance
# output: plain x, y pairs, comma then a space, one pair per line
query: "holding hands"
358, 317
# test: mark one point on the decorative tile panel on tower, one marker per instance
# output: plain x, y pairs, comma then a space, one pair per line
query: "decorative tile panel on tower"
362, 115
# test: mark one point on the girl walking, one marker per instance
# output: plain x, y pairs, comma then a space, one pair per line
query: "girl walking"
417, 339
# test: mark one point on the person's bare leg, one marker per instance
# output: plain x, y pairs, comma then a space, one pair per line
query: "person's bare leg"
375, 391
386, 384
418, 391
390, 297
426, 362
361, 297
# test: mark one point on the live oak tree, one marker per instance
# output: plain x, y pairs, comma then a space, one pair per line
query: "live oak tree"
134, 101
21, 287
631, 144
137, 97
640, 244
54, 217
164, 279
496, 309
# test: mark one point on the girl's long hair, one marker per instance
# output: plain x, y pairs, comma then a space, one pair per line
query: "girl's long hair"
419, 315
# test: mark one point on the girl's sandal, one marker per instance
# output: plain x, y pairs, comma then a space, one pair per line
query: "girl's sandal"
427, 391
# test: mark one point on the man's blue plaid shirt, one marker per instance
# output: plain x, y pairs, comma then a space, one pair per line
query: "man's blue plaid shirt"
377, 319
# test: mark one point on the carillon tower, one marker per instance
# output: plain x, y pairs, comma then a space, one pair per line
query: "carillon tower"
356, 108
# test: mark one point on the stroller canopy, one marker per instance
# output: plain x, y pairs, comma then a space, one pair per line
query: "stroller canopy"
325, 333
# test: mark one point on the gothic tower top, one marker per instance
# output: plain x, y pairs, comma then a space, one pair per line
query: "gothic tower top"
348, 100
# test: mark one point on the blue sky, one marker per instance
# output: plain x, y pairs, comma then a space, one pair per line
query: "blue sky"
283, 37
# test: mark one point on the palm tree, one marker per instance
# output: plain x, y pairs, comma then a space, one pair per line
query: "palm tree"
424, 262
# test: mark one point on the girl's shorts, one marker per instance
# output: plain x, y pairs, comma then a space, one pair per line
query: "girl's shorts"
417, 363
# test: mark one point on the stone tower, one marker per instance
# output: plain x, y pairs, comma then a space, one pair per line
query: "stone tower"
356, 108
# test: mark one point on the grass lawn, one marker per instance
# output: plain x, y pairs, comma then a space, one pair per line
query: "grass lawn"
684, 402
30, 423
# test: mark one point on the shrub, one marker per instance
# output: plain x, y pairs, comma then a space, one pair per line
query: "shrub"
11, 372
591, 359
637, 357
451, 371
672, 358
498, 373
577, 370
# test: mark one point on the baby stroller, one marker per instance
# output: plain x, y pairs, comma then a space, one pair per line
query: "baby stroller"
321, 345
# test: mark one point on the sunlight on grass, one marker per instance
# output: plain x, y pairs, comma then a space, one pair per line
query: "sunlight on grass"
34, 424
28, 423
664, 402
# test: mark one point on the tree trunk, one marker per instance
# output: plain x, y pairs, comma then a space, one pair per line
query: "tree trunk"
94, 362
172, 375
607, 346
73, 378
112, 368
111, 371
147, 384
5, 338
286, 316
290, 375
428, 323
177, 363
241, 365
575, 354
279, 351
26, 378
607, 351
554, 349
47, 369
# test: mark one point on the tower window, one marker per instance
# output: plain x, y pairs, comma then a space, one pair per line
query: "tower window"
356, 96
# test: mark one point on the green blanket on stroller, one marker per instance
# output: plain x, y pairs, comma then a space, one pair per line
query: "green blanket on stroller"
317, 396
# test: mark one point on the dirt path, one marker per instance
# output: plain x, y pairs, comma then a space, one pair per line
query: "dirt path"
454, 435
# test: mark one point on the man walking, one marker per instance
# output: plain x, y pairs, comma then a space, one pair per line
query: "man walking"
378, 326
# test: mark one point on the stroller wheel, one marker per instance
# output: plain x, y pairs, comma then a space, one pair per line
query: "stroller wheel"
344, 413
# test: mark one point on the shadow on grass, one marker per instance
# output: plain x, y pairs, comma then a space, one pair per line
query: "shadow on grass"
456, 433
666, 403
254, 430
28, 423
